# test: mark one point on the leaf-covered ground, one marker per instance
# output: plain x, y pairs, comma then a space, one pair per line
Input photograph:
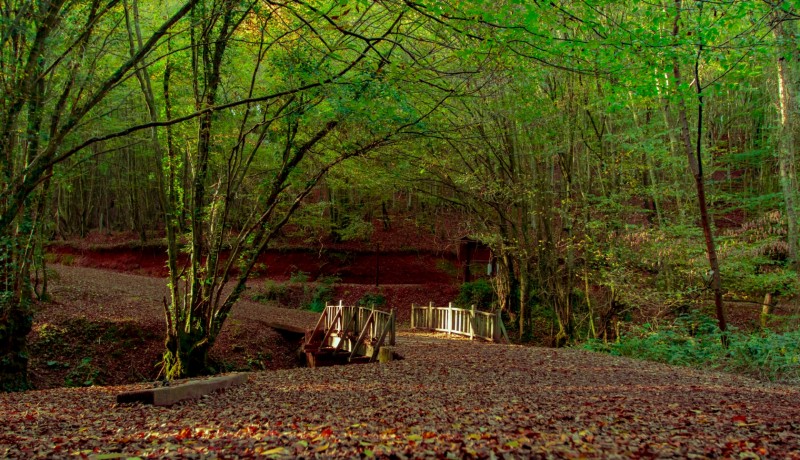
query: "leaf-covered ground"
446, 398
107, 327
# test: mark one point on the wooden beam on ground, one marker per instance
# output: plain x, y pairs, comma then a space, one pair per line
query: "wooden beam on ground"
169, 395
285, 327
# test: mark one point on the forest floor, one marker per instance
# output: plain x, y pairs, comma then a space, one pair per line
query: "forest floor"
446, 397
107, 327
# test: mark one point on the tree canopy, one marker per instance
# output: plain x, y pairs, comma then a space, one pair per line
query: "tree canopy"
568, 136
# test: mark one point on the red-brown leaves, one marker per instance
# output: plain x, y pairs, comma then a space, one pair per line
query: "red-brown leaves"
447, 398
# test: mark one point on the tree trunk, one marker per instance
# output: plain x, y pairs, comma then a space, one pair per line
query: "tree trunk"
186, 353
696, 167
17, 320
786, 137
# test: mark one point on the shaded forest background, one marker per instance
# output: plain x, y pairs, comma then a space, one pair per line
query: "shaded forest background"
615, 157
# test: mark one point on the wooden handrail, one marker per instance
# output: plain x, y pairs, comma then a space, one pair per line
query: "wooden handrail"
460, 321
362, 336
340, 323
385, 331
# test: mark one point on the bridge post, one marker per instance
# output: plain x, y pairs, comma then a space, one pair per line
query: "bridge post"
449, 318
496, 337
386, 354
472, 323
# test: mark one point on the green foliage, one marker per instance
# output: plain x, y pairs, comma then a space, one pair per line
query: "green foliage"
299, 277
769, 355
748, 278
479, 293
85, 374
273, 291
355, 230
694, 340
371, 299
753, 262
51, 335
318, 294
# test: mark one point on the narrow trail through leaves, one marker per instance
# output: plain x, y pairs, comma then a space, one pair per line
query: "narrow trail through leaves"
447, 397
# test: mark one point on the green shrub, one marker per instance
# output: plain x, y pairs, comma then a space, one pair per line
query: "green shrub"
768, 355
85, 374
319, 294
371, 299
299, 277
694, 340
273, 292
479, 293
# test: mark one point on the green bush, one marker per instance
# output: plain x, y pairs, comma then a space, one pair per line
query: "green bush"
371, 299
85, 374
319, 293
479, 293
320, 296
694, 340
273, 292
768, 355
299, 277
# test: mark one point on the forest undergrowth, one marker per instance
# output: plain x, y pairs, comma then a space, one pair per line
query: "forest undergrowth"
694, 340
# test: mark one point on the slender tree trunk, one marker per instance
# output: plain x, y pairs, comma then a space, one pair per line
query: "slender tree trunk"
786, 138
696, 167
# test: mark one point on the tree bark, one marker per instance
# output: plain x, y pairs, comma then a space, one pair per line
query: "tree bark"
787, 104
694, 156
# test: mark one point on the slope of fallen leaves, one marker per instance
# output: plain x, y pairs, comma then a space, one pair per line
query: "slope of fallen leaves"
108, 328
447, 398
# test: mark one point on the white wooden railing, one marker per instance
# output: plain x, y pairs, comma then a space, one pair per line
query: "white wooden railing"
344, 319
350, 332
468, 322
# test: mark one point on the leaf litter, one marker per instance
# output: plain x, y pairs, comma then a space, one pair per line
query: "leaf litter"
449, 398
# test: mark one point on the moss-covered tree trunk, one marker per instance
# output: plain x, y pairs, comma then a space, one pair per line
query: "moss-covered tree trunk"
186, 352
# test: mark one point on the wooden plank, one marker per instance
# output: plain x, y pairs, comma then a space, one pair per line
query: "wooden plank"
331, 326
503, 329
472, 323
169, 395
320, 323
285, 327
379, 344
363, 334
346, 331
393, 319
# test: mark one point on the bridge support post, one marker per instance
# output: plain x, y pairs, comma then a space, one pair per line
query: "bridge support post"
386, 354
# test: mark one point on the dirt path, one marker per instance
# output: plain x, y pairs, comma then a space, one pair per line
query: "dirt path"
446, 397
104, 294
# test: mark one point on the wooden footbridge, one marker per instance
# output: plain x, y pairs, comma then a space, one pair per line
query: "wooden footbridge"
350, 334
